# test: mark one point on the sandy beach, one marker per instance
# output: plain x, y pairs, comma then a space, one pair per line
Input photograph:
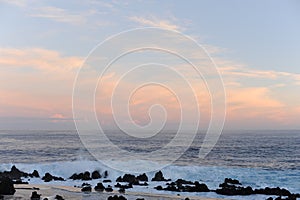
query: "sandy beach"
74, 193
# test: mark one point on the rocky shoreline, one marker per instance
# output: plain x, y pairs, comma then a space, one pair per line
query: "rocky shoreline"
230, 187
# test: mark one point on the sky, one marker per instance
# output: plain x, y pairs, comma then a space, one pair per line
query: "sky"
254, 44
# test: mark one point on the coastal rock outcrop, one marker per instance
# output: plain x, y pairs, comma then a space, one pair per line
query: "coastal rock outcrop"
48, 177
159, 177
116, 197
99, 187
6, 186
35, 196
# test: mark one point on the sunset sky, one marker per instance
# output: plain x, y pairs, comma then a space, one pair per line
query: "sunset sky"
255, 45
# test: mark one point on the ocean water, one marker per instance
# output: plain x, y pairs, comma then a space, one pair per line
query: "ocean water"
256, 158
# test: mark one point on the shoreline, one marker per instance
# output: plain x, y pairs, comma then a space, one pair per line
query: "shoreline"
49, 191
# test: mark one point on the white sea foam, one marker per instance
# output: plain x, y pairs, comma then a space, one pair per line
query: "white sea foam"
212, 176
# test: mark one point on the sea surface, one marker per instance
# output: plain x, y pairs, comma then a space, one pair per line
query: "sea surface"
256, 158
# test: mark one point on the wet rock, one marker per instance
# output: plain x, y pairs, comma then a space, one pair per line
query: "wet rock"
20, 182
35, 196
35, 173
58, 197
234, 190
121, 190
273, 191
232, 181
96, 175
159, 177
185, 186
48, 177
108, 189
159, 187
142, 177
86, 176
118, 185
116, 197
105, 174
86, 189
99, 187
6, 186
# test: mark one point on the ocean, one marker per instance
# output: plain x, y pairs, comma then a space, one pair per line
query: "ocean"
266, 158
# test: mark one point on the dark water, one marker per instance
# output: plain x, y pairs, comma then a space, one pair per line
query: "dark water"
260, 149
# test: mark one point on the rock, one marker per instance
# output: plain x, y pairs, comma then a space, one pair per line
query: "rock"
116, 197
108, 189
159, 187
232, 181
6, 186
35, 173
105, 174
121, 190
234, 190
159, 177
35, 196
48, 177
199, 187
118, 185
86, 189
86, 176
20, 182
96, 175
99, 187
129, 178
142, 177
273, 191
181, 181
106, 181
58, 197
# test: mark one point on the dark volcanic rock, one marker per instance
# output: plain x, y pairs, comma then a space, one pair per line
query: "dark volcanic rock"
273, 191
58, 197
105, 174
184, 186
35, 173
232, 181
142, 177
118, 185
159, 177
99, 187
48, 177
96, 175
16, 174
86, 176
6, 186
20, 182
234, 190
35, 196
86, 189
108, 189
116, 197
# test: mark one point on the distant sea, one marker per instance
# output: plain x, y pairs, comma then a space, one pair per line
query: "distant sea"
256, 158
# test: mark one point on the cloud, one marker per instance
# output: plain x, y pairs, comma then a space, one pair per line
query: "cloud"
255, 73
38, 59
152, 21
60, 15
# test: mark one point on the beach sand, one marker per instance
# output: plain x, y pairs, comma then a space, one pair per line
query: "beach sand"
50, 191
